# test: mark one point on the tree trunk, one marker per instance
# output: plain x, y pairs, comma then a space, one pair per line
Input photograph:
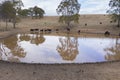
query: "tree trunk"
68, 24
14, 23
119, 22
6, 24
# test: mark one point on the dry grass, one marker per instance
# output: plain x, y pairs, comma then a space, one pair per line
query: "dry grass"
94, 23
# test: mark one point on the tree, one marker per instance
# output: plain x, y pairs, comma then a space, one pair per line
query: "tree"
69, 9
0, 13
7, 11
31, 12
115, 10
17, 6
24, 13
38, 12
0, 10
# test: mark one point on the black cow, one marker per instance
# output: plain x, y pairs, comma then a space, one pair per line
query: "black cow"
36, 29
31, 30
107, 33
85, 24
79, 31
41, 30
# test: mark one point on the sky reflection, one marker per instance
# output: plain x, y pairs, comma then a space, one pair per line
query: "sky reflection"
39, 48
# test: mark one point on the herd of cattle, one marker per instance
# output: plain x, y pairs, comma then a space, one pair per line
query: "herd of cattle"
107, 33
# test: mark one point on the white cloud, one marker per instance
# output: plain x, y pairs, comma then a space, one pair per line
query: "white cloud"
49, 6
88, 6
94, 7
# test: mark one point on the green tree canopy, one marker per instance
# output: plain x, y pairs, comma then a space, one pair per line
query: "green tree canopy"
115, 10
24, 13
9, 10
38, 12
69, 11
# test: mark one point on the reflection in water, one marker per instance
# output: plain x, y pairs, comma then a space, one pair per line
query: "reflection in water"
24, 37
113, 53
33, 38
68, 48
11, 49
37, 48
37, 39
13, 45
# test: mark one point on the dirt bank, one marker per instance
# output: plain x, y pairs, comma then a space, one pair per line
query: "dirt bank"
98, 71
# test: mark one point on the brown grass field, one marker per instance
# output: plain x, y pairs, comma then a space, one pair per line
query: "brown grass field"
95, 24
94, 71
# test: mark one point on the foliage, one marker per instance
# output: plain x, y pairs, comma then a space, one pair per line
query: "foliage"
23, 13
38, 12
32, 11
115, 10
68, 9
9, 10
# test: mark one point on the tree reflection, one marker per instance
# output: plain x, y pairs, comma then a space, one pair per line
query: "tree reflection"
68, 48
37, 39
33, 38
5, 54
24, 37
113, 53
13, 44
11, 50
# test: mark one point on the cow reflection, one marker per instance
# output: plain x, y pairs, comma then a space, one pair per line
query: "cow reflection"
68, 49
113, 53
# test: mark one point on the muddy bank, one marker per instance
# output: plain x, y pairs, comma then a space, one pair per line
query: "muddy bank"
98, 71
86, 32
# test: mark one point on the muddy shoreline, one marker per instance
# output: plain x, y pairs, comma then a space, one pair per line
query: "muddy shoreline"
89, 71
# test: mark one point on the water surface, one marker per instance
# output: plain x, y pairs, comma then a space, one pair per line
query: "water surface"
39, 48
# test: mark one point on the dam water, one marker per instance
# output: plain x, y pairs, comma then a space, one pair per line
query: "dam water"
51, 49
